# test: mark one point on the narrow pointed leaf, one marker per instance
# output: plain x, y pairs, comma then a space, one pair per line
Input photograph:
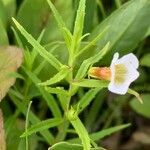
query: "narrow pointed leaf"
43, 125
65, 32
82, 132
86, 99
41, 50
58, 77
91, 83
90, 61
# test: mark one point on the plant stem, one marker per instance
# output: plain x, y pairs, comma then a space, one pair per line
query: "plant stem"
26, 124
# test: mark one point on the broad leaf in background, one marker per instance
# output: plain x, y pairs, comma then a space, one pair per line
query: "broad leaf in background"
3, 14
10, 7
127, 27
34, 15
3, 35
145, 60
2, 134
10, 61
3, 22
143, 109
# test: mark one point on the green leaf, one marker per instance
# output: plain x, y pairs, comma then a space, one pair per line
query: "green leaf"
86, 99
79, 24
93, 42
3, 14
90, 61
66, 146
82, 132
33, 19
32, 118
127, 27
101, 134
41, 50
69, 146
57, 90
47, 97
3, 35
145, 60
40, 126
64, 71
10, 60
136, 94
89, 15
142, 109
91, 83
66, 33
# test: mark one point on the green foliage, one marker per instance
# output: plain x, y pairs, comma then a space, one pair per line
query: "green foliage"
66, 146
145, 60
41, 50
124, 26
141, 109
46, 124
54, 73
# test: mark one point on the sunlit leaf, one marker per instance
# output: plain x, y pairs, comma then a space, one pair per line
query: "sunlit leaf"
90, 83
10, 61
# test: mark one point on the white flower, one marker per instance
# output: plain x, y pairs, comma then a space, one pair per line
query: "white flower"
123, 73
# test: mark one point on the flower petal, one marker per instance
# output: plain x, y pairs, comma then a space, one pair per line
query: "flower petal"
115, 58
131, 59
118, 89
123, 73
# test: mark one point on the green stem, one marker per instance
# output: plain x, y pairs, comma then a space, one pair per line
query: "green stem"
26, 124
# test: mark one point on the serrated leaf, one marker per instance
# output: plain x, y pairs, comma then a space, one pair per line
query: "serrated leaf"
66, 33
92, 42
47, 97
46, 124
41, 50
10, 61
58, 77
90, 61
86, 99
82, 132
57, 90
143, 109
102, 134
79, 24
91, 83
